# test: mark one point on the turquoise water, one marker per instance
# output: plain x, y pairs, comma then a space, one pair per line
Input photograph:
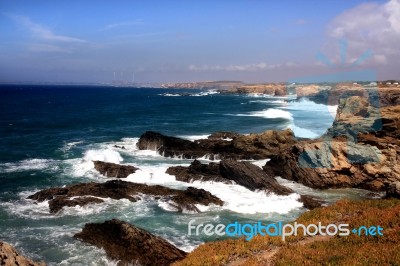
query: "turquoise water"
50, 135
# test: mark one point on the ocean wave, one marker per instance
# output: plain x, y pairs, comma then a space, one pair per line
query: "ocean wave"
193, 137
170, 94
269, 113
310, 106
29, 165
302, 132
205, 93
237, 198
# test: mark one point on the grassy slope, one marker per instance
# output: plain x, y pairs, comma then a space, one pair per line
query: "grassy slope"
300, 250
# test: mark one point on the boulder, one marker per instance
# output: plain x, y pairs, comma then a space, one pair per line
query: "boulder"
114, 170
393, 190
88, 193
9, 256
130, 245
251, 177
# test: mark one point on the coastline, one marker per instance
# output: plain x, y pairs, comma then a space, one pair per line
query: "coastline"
373, 176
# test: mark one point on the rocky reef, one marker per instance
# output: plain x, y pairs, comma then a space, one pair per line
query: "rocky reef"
130, 245
9, 256
242, 173
114, 170
252, 146
86, 193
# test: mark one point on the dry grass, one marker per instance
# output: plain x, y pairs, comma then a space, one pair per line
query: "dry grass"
300, 250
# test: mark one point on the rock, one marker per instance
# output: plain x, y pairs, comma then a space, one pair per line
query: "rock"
360, 150
228, 171
198, 171
393, 190
9, 256
168, 146
116, 189
251, 177
310, 202
56, 204
114, 170
223, 135
273, 89
129, 244
307, 90
252, 146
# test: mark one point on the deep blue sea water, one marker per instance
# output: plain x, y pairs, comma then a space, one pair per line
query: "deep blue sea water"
49, 136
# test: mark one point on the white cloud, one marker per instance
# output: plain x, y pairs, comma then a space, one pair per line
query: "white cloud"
123, 24
369, 26
42, 32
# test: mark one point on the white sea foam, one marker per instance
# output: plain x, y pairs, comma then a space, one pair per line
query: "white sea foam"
260, 163
30, 164
205, 93
170, 94
193, 137
68, 146
269, 113
310, 106
237, 198
241, 200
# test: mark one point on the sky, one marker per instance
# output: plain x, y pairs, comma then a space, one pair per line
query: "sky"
205, 40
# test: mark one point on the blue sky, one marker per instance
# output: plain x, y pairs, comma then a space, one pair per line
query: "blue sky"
172, 41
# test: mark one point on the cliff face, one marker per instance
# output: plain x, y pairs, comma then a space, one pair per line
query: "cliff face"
273, 89
9, 256
361, 149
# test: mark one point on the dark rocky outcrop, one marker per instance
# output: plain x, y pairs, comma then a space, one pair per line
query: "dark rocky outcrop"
114, 170
56, 204
251, 177
242, 173
86, 193
252, 146
9, 256
310, 202
228, 171
198, 171
129, 244
393, 190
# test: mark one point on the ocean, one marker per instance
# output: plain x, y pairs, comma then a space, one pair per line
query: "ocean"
51, 134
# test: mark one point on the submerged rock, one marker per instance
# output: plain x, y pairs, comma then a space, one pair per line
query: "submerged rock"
85, 193
114, 170
9, 256
129, 244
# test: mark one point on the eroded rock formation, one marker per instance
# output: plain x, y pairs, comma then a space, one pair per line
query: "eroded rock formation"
130, 245
9, 256
86, 193
114, 170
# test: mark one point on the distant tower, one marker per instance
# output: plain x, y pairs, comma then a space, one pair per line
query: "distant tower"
114, 76
133, 77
